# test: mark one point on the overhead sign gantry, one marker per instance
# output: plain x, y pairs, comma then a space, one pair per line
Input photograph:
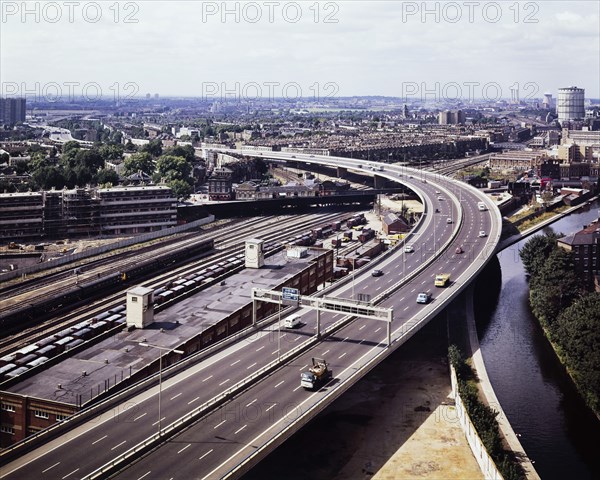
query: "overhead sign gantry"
291, 296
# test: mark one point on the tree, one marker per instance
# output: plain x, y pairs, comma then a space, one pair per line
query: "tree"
72, 145
186, 152
154, 148
173, 168
107, 176
535, 252
130, 147
111, 152
181, 188
45, 177
139, 162
81, 166
578, 336
554, 287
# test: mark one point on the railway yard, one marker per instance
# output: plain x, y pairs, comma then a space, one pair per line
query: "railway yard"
50, 315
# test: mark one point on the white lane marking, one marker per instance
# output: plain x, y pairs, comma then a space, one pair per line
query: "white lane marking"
95, 442
297, 388
283, 381
252, 402
412, 290
362, 327
377, 329
117, 446
342, 341
44, 471
326, 352
258, 350
206, 454
145, 474
250, 366
273, 353
405, 308
69, 474
224, 382
156, 423
207, 378
272, 406
280, 420
305, 366
237, 361
192, 401
342, 355
240, 429
140, 416
187, 446
219, 424
175, 396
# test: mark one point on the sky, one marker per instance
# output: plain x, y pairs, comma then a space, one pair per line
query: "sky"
414, 50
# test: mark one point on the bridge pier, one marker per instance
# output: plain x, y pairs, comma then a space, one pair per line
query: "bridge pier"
342, 172
380, 182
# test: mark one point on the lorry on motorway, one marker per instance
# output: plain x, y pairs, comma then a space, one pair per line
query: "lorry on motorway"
317, 375
442, 279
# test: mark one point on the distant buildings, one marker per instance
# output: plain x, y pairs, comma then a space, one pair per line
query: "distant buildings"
570, 105
451, 117
12, 110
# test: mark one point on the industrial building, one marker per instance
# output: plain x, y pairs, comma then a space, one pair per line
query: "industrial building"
83, 370
570, 104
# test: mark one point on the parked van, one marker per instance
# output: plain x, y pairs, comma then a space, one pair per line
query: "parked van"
292, 321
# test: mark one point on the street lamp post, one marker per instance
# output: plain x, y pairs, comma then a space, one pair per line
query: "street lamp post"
180, 352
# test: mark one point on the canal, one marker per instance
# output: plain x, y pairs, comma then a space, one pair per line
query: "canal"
556, 429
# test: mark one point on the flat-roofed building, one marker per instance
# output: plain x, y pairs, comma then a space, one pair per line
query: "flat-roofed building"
21, 215
132, 210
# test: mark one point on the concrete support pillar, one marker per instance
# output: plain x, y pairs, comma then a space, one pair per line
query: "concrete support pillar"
342, 172
380, 182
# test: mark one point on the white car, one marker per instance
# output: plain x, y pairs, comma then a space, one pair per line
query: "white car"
409, 249
423, 297
482, 233
448, 220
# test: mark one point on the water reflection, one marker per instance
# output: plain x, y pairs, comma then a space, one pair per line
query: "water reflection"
535, 393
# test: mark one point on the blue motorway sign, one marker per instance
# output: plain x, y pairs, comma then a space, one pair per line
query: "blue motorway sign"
290, 293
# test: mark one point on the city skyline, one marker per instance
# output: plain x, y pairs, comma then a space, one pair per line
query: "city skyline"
413, 50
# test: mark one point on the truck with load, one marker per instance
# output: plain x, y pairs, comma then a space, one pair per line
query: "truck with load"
442, 279
317, 375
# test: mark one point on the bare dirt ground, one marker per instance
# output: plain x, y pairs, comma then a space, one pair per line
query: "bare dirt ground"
396, 423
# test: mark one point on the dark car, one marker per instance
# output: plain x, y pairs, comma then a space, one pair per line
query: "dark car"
377, 273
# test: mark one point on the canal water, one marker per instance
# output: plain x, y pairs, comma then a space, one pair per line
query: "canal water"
556, 430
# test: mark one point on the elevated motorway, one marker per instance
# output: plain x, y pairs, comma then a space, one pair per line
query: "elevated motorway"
223, 415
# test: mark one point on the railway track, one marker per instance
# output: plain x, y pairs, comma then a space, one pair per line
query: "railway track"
275, 231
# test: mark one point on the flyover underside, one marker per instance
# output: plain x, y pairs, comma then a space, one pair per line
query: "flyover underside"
271, 206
